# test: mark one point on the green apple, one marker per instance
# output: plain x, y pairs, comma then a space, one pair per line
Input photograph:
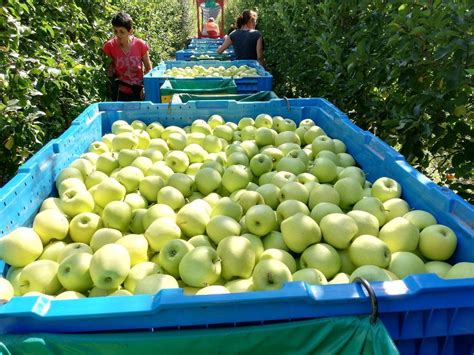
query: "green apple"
40, 276
161, 231
225, 206
192, 219
294, 190
321, 143
306, 178
323, 257
140, 271
121, 126
338, 229
127, 156
201, 241
117, 215
201, 126
107, 163
323, 193
171, 196
215, 120
212, 144
312, 133
323, 209
236, 177
311, 276
13, 276
366, 222
263, 120
124, 140
182, 182
250, 148
260, 220
274, 240
347, 266
353, 172
281, 255
69, 295
300, 231
20, 247
265, 136
369, 250
154, 129
287, 137
270, 274
52, 250
146, 161
50, 203
157, 211
73, 272
84, 166
270, 194
326, 154
107, 191
385, 188
70, 183
207, 180
177, 141
461, 270
196, 153
345, 160
98, 147
439, 268
245, 122
95, 178
237, 257
404, 263
68, 173
400, 235
260, 164
200, 267
212, 290
324, 170
135, 201
160, 169
159, 145
256, 243
136, 223
350, 191
340, 278
83, 226
220, 227
6, 290
104, 236
240, 285
110, 266
130, 177
289, 208
396, 207
371, 273
99, 292
290, 164
437, 242
177, 160
51, 224
421, 219
373, 206
171, 254
224, 132
137, 246
152, 284
74, 201
247, 198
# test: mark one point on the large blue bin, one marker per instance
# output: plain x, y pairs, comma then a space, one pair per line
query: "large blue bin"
188, 54
155, 78
423, 313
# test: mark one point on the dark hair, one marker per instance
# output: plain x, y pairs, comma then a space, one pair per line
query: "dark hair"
244, 18
122, 19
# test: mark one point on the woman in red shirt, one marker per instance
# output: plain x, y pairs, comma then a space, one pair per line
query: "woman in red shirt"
129, 54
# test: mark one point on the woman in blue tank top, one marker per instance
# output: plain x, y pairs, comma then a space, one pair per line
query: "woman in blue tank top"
247, 41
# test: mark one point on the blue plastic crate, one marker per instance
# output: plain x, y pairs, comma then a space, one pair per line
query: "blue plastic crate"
423, 313
155, 78
206, 41
186, 54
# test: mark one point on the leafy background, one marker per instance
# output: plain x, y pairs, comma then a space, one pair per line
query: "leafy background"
402, 70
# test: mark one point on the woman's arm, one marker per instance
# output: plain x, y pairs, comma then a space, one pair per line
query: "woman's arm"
225, 45
260, 51
147, 62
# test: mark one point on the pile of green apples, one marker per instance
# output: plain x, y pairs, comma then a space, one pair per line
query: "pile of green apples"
220, 71
220, 207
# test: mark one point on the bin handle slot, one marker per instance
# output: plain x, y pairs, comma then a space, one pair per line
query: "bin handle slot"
373, 299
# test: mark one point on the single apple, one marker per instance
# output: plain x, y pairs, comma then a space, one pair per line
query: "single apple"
404, 263
311, 276
270, 274
161, 231
366, 222
110, 266
237, 257
152, 284
83, 226
220, 227
385, 188
281, 255
200, 267
323, 257
171, 254
40, 276
20, 247
400, 235
421, 219
299, 232
73, 272
104, 236
437, 242
140, 271
461, 270
51, 224
338, 229
369, 250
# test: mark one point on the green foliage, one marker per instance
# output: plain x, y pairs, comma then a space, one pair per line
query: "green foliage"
403, 70
52, 66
